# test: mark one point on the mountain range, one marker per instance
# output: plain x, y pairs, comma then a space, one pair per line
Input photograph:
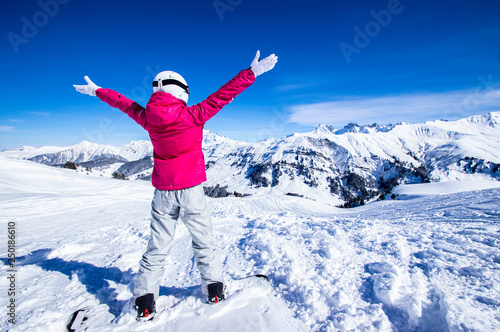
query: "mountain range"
346, 167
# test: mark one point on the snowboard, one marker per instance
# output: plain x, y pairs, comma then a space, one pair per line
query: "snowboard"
262, 276
85, 317
78, 320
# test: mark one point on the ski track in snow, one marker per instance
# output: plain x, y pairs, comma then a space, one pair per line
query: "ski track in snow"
429, 263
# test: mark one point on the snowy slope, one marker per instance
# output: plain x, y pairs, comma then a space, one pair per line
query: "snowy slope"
427, 262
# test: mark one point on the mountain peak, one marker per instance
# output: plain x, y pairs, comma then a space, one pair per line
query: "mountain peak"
86, 145
324, 129
365, 129
491, 119
210, 136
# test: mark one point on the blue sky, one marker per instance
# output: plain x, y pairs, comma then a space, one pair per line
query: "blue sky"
339, 62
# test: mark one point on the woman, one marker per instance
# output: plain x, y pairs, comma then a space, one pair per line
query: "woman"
176, 132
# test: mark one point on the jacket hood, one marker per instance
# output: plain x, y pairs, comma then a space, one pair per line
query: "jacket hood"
163, 109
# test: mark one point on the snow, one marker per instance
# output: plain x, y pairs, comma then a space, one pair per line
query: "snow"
443, 188
429, 261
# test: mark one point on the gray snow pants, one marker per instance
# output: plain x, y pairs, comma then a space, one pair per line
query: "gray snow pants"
166, 210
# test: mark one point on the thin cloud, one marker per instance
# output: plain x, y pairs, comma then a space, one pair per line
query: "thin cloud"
17, 121
291, 87
6, 128
402, 108
40, 113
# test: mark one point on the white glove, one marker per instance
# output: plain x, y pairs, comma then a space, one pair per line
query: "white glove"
88, 89
259, 67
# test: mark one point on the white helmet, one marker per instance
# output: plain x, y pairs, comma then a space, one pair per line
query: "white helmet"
173, 83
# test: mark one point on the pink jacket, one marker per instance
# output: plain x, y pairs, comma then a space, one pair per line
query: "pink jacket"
176, 130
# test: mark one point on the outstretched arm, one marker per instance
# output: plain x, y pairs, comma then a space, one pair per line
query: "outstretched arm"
205, 110
114, 99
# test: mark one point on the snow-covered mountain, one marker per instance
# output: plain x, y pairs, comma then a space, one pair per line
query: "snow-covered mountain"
352, 164
358, 162
26, 152
136, 150
85, 152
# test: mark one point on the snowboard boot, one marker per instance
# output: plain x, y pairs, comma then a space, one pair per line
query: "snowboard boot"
145, 306
215, 292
